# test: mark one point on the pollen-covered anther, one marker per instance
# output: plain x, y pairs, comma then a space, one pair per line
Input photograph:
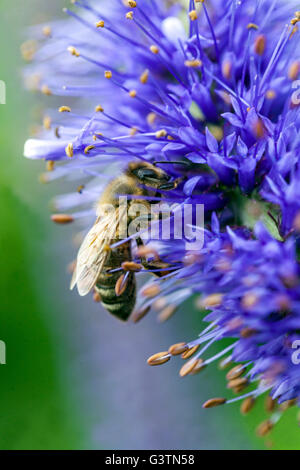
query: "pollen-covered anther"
151, 291
47, 123
159, 358
161, 133
100, 24
270, 94
88, 148
108, 74
139, 314
294, 70
132, 93
187, 354
131, 3
269, 404
62, 218
147, 250
213, 300
99, 109
264, 428
64, 109
166, 313
193, 15
235, 372
237, 383
227, 69
46, 90
260, 44
73, 51
252, 26
47, 31
131, 266
133, 131
129, 15
50, 165
178, 348
214, 402
195, 63
28, 49
288, 404
247, 405
121, 285
69, 150
154, 49
151, 117
200, 365
249, 300
188, 367
144, 77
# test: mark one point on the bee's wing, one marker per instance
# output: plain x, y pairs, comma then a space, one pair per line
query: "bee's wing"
93, 253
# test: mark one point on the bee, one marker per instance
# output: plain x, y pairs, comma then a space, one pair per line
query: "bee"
97, 264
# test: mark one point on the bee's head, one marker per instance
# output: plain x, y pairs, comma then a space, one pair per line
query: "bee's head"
150, 175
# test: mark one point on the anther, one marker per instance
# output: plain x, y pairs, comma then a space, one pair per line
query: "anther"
177, 349
132, 93
99, 109
161, 133
154, 49
247, 405
69, 150
151, 291
129, 15
166, 313
46, 90
260, 44
235, 372
88, 148
187, 354
62, 218
50, 165
64, 109
188, 367
108, 74
120, 286
264, 428
100, 24
131, 3
47, 31
252, 26
214, 402
193, 15
195, 63
131, 266
73, 51
144, 77
294, 70
139, 314
47, 123
158, 358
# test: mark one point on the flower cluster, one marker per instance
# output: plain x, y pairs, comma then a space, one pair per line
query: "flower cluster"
208, 90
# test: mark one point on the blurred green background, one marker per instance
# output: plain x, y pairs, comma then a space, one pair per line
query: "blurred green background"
75, 378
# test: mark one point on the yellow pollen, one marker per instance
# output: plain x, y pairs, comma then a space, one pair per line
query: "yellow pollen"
73, 51
187, 354
132, 93
193, 15
144, 77
151, 118
132, 3
227, 69
154, 49
129, 15
64, 109
260, 44
50, 165
161, 133
133, 131
294, 70
69, 150
88, 148
100, 24
46, 90
99, 109
47, 31
195, 63
252, 26
270, 94
177, 349
108, 74
80, 188
47, 123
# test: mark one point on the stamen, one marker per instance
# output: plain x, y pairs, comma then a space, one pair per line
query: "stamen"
159, 358
62, 218
214, 402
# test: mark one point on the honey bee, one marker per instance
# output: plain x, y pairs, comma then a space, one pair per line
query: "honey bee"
97, 264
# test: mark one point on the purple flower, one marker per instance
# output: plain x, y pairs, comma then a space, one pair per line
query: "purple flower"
206, 92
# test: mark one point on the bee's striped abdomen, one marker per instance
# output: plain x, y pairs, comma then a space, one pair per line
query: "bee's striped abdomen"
120, 306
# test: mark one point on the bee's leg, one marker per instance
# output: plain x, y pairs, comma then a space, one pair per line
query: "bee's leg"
156, 266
